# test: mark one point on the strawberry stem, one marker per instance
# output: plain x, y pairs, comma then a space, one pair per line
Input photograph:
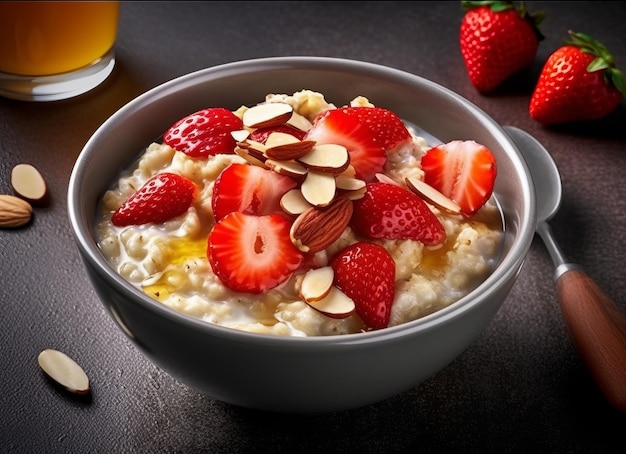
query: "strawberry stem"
603, 62
495, 6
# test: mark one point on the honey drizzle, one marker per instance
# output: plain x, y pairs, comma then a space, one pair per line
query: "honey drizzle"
178, 250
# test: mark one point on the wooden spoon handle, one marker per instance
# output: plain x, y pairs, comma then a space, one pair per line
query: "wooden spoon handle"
598, 331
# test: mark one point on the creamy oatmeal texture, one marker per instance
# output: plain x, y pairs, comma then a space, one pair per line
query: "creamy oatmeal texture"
169, 261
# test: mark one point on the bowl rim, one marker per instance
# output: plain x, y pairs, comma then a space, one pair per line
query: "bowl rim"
82, 229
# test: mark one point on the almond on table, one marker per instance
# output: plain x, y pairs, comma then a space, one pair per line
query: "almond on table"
28, 183
64, 371
14, 211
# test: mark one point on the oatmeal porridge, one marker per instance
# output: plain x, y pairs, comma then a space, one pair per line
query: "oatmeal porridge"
249, 218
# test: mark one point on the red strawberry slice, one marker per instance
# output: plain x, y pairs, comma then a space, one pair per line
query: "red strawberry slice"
464, 171
252, 254
204, 133
390, 211
388, 129
335, 126
261, 134
249, 189
366, 272
161, 198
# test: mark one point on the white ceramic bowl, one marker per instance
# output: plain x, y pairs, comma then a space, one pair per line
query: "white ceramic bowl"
293, 374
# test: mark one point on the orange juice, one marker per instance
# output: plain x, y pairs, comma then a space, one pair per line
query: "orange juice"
46, 38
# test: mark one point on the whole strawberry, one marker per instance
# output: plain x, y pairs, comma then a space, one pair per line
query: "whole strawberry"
497, 41
578, 82
161, 198
366, 272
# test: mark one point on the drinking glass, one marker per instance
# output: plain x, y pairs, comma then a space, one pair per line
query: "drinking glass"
55, 50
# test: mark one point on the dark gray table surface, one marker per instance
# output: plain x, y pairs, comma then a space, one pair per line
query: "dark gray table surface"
519, 388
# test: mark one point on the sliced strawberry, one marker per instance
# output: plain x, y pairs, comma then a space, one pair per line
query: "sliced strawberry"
366, 272
464, 171
335, 126
161, 198
388, 129
204, 133
392, 212
249, 189
261, 134
252, 254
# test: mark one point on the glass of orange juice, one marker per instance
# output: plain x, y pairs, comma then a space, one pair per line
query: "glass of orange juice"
55, 50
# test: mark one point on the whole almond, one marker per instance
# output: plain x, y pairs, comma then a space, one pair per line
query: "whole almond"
319, 227
14, 212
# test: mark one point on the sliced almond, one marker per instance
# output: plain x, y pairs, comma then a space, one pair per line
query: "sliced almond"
254, 148
266, 115
316, 284
335, 305
14, 211
432, 195
290, 168
381, 177
283, 146
318, 188
349, 183
240, 135
355, 194
327, 157
349, 172
300, 122
277, 139
352, 188
64, 370
252, 157
28, 183
293, 202
317, 228
252, 145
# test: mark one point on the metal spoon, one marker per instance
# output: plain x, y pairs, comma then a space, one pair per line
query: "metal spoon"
596, 324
